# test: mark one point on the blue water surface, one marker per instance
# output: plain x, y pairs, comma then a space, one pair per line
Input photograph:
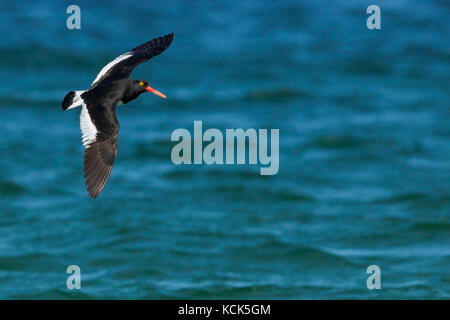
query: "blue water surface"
364, 173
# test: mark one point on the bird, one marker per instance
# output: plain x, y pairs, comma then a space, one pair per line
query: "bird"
98, 121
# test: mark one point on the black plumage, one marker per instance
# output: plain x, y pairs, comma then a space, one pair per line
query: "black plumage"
98, 121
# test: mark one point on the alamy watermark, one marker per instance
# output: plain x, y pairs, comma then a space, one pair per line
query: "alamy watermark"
74, 280
74, 20
234, 148
374, 280
374, 20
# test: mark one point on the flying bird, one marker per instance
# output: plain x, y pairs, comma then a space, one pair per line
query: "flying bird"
98, 121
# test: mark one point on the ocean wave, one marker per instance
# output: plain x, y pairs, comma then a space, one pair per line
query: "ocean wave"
23, 101
44, 58
338, 142
275, 95
435, 228
416, 197
307, 256
10, 189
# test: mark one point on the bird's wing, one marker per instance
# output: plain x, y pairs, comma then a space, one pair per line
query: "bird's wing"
100, 132
123, 65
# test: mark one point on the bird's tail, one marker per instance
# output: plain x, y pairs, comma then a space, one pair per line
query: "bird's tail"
72, 99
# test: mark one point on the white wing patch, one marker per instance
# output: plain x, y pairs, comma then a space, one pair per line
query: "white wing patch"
88, 130
111, 64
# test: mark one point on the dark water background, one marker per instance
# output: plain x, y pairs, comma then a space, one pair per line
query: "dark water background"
364, 152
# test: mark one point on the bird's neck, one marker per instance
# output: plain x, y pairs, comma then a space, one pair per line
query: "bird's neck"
130, 94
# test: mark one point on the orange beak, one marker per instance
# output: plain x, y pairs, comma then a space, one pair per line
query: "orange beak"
150, 89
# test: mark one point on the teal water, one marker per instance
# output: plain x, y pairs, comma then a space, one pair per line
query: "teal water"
364, 152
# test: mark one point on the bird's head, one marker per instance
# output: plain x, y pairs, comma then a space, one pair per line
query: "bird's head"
142, 86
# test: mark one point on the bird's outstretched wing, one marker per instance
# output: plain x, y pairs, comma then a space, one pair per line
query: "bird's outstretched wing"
98, 162
100, 132
123, 65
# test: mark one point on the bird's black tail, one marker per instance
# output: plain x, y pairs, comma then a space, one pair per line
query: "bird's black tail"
72, 99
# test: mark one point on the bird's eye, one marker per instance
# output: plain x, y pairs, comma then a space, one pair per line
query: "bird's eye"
141, 83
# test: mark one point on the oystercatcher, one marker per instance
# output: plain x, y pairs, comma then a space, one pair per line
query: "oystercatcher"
98, 121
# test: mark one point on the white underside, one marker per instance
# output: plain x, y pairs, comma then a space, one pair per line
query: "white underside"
88, 130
